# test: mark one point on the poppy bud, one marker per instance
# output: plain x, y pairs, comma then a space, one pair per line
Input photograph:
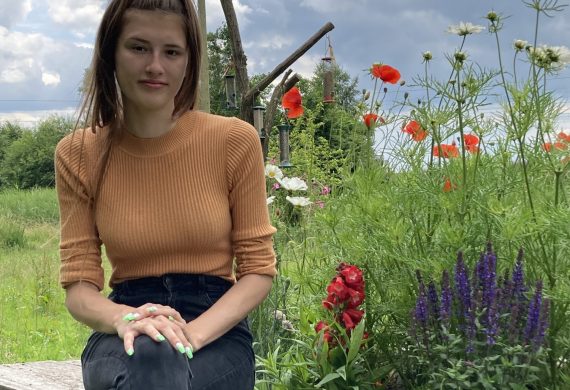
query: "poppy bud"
385, 90
363, 91
406, 96
367, 95
402, 83
419, 102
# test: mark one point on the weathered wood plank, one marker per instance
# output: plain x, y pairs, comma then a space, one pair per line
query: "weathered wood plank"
48, 375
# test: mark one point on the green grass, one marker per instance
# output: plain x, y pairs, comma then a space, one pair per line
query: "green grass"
35, 324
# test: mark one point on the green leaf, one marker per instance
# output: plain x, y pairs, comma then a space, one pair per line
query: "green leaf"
330, 377
355, 341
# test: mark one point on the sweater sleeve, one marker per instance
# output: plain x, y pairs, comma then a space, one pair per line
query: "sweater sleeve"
80, 246
251, 229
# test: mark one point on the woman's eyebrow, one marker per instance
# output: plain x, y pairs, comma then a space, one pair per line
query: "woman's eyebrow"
141, 40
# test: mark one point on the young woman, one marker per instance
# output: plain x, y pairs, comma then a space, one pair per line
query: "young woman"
177, 198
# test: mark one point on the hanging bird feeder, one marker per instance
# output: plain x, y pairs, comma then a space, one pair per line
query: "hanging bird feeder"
284, 130
231, 101
258, 112
328, 63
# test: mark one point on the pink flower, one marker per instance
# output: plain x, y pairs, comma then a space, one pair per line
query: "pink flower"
325, 190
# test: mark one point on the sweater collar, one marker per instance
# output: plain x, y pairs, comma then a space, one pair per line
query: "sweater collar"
149, 147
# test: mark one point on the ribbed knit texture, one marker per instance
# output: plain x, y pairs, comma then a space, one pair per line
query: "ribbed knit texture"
190, 201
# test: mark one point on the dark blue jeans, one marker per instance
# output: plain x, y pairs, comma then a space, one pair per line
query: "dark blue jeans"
227, 363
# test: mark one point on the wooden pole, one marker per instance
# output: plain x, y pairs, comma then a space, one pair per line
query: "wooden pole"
204, 99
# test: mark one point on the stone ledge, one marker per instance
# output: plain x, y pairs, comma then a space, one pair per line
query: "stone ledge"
46, 375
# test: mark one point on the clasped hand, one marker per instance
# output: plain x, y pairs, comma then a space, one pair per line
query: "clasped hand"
160, 323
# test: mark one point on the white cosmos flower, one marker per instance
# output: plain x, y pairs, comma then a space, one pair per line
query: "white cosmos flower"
293, 184
463, 29
273, 171
270, 199
299, 201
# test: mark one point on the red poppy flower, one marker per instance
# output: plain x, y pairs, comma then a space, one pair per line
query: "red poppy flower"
292, 101
557, 145
448, 186
415, 130
371, 119
447, 151
471, 143
564, 137
385, 73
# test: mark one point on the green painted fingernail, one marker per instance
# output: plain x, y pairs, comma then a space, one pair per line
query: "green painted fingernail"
180, 348
152, 309
129, 317
160, 337
189, 352
171, 318
130, 351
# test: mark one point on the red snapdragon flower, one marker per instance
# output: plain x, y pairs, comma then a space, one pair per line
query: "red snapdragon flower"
415, 130
447, 151
292, 102
385, 73
471, 143
371, 119
355, 298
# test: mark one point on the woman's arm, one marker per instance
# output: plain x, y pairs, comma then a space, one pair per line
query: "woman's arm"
230, 309
87, 305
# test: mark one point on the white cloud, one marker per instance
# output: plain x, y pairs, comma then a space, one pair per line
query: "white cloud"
14, 11
79, 15
339, 7
85, 45
274, 41
12, 76
50, 79
21, 54
32, 118
215, 14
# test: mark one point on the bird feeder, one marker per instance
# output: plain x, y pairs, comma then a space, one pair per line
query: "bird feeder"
231, 101
284, 145
258, 112
328, 79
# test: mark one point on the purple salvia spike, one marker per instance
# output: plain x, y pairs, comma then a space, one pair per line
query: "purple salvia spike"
433, 304
533, 318
446, 299
543, 324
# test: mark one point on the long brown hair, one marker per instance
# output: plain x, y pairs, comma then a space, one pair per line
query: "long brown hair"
101, 104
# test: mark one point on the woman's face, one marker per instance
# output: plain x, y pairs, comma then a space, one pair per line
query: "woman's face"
151, 59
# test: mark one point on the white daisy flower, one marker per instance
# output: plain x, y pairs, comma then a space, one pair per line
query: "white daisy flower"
293, 184
270, 199
273, 171
299, 201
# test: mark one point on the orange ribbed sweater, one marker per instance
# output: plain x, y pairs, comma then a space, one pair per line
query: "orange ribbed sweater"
190, 201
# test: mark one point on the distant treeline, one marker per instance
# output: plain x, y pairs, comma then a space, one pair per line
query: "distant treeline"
26, 154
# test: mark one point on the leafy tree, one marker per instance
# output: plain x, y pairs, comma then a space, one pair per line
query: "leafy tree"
28, 161
9, 133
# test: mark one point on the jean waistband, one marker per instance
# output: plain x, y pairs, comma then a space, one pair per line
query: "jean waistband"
196, 283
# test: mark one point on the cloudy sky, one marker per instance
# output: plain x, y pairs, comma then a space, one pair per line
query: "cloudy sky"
45, 45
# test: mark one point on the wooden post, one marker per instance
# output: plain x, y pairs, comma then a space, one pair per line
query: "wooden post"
204, 97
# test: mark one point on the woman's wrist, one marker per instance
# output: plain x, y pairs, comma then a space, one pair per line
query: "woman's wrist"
194, 336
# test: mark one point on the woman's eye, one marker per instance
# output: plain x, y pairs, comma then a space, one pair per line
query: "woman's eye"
173, 53
140, 49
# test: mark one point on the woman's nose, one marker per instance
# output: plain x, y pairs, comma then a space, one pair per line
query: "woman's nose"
154, 65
